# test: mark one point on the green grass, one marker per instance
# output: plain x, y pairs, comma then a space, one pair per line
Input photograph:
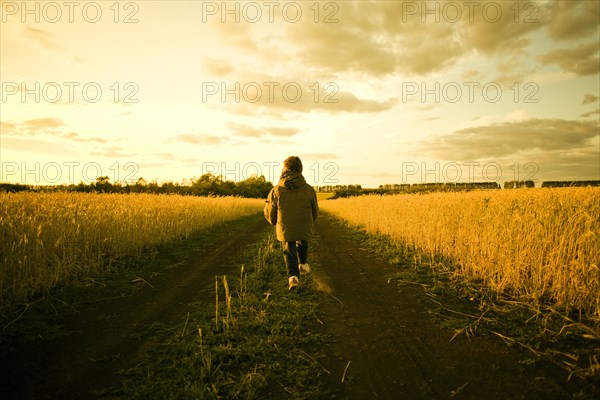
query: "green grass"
256, 341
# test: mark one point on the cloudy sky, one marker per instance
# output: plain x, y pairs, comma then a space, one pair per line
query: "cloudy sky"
367, 92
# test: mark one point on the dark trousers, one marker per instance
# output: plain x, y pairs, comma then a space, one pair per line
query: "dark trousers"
294, 253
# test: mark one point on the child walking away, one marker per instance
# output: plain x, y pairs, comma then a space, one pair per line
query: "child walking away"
292, 207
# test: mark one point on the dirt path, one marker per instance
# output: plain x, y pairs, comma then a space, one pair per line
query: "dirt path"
104, 340
388, 347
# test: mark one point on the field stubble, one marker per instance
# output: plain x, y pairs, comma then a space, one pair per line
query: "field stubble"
49, 238
541, 246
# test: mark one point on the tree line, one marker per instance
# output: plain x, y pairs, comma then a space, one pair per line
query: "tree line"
258, 187
207, 185
570, 183
357, 190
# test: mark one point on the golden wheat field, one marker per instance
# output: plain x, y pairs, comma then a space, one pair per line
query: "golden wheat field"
49, 237
540, 244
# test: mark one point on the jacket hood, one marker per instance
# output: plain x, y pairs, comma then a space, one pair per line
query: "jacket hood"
292, 180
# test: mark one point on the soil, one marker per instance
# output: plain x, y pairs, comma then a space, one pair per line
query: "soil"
385, 342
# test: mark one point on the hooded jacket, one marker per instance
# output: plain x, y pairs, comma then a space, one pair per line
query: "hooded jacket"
292, 207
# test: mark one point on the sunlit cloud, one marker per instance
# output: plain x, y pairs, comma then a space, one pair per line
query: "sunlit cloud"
276, 95
509, 138
42, 124
590, 113
78, 138
45, 126
589, 99
41, 36
218, 68
319, 156
570, 20
249, 131
581, 60
166, 156
113, 152
37, 146
191, 138
282, 132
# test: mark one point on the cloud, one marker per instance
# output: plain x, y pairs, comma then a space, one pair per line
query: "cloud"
318, 156
428, 107
34, 127
581, 60
111, 152
512, 69
7, 128
166, 156
408, 37
34, 145
490, 28
43, 37
218, 68
42, 123
579, 164
589, 114
198, 139
376, 40
249, 131
570, 20
380, 38
277, 96
45, 126
510, 138
282, 132
589, 98
345, 47
77, 138
244, 130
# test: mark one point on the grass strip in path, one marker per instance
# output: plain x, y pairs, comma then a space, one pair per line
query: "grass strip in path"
256, 340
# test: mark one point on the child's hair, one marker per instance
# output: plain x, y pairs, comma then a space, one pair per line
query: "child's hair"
292, 163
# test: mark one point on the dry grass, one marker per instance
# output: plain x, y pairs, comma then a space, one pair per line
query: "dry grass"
542, 245
49, 237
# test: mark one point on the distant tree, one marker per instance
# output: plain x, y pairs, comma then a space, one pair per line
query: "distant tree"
12, 187
102, 185
254, 186
519, 184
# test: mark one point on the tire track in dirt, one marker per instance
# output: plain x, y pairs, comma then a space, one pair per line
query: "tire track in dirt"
109, 338
387, 346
